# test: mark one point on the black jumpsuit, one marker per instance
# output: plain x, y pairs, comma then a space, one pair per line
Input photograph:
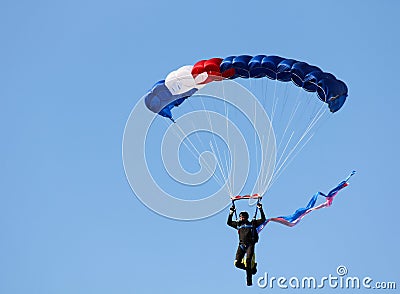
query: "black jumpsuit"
246, 240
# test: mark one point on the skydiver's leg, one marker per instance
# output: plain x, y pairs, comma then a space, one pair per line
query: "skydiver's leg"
239, 256
249, 271
249, 255
250, 258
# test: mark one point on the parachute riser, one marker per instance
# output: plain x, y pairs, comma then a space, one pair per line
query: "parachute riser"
234, 207
255, 214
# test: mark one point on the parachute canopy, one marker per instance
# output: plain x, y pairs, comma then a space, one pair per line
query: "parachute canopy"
185, 81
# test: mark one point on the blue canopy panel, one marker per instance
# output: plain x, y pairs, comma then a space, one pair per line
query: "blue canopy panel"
160, 100
334, 91
310, 82
310, 78
299, 71
270, 63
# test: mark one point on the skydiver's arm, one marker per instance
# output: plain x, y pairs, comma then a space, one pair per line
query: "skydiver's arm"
231, 223
262, 219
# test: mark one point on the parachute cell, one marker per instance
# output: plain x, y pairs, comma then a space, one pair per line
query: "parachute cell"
160, 99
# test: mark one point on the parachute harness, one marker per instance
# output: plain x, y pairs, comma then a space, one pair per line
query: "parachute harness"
254, 228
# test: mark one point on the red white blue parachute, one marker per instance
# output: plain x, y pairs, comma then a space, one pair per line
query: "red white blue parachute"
185, 81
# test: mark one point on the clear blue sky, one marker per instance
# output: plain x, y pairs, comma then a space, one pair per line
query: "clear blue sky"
70, 74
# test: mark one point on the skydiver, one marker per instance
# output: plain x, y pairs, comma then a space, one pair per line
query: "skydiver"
248, 237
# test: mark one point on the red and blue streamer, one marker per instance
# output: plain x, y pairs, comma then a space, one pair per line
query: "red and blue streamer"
296, 217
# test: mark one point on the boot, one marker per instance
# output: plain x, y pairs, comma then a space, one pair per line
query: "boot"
249, 279
249, 276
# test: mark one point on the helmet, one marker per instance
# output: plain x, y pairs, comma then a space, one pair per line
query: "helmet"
244, 214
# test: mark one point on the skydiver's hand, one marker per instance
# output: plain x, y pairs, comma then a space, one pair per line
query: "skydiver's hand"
232, 210
259, 205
